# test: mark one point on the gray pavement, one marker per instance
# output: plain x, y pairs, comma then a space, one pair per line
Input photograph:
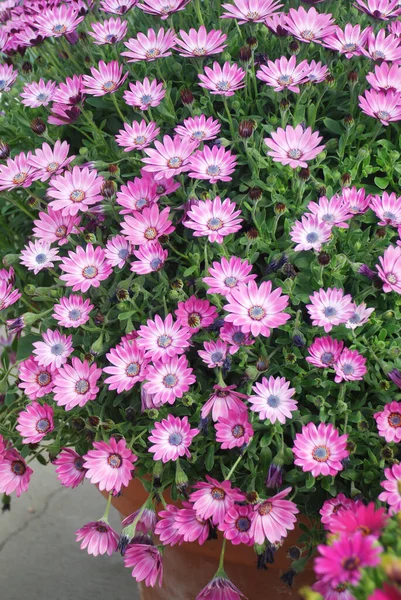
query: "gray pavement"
39, 558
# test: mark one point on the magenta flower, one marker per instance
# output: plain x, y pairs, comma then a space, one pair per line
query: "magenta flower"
388, 422
330, 308
75, 191
389, 269
150, 47
395, 28
137, 194
51, 161
148, 226
195, 313
214, 164
273, 399
162, 339
39, 255
35, 380
284, 74
54, 350
14, 473
137, 136
234, 431
224, 81
145, 94
167, 528
151, 257
8, 296
72, 311
169, 379
309, 26
388, 592
310, 233
273, 518
257, 310
107, 79
324, 352
214, 353
223, 402
117, 7
220, 587
379, 9
334, 592
387, 207
35, 422
294, 146
320, 450
57, 21
350, 366
201, 42
385, 78
381, 47
164, 185
171, 438
147, 563
110, 465
85, 268
160, 9
38, 93
199, 129
128, 366
355, 200
63, 114
76, 385
70, 92
97, 538
316, 72
191, 527
363, 518
117, 251
214, 219
226, 275
385, 106
392, 487
69, 468
169, 158
109, 32
277, 24
349, 41
146, 523
236, 525
333, 212
235, 338
360, 317
213, 499
333, 507
255, 11
17, 172
7, 77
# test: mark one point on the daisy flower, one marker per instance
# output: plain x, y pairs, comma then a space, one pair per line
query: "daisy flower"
196, 314
226, 275
167, 529
333, 592
384, 106
97, 538
57, 21
8, 296
389, 269
191, 527
164, 186
235, 337
169, 158
224, 81
349, 41
75, 191
284, 74
277, 24
294, 146
214, 219
17, 172
35, 422
214, 164
38, 93
333, 212
214, 353
137, 194
148, 226
223, 402
129, 366
150, 47
395, 28
162, 339
388, 422
7, 77
273, 399
257, 309
201, 42
236, 525
54, 350
147, 563
334, 506
151, 258
309, 26
395, 377
63, 114
324, 352
255, 11
72, 311
85, 268
365, 519
213, 499
117, 7
387, 208
386, 77
39, 255
220, 587
329, 308
145, 94
198, 128
51, 161
146, 523
117, 251
360, 317
169, 379
110, 465
70, 91
234, 431
320, 450
356, 200
35, 380
350, 366
137, 136
379, 9
160, 9
381, 47
392, 487
69, 468
109, 32
14, 473
76, 385
171, 438
310, 233
316, 72
107, 79
273, 518
7, 275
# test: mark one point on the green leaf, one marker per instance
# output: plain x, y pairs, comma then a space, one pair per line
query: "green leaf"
333, 126
382, 182
209, 460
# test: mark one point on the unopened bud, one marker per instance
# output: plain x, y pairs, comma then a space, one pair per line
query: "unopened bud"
38, 126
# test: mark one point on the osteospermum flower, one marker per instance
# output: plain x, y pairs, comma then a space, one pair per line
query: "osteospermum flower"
117, 7
145, 94
226, 275
360, 317
320, 450
257, 310
223, 402
350, 366
388, 422
169, 158
189, 526
224, 81
35, 380
171, 438
213, 499
107, 79
310, 233
39, 255
357, 201
349, 41
220, 587
273, 399
316, 72
333, 507
386, 77
110, 465
387, 208
365, 519
76, 385
50, 161
235, 337
8, 296
309, 26
54, 350
294, 146
14, 473
109, 32
150, 258
201, 42
214, 164
195, 313
97, 538
167, 529
128, 366
236, 525
161, 9
234, 431
284, 74
381, 47
329, 308
148, 226
379, 9
75, 191
72, 311
214, 353
214, 219
147, 563
35, 422
392, 487
7, 77
69, 468
70, 91
117, 251
63, 114
137, 195
324, 352
85, 268
150, 47
57, 21
198, 128
38, 93
17, 172
164, 186
333, 212
169, 379
137, 136
161, 339
255, 11
384, 106
273, 518
389, 269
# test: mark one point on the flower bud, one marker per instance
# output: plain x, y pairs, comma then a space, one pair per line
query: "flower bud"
255, 193
294, 47
129, 414
262, 364
304, 174
177, 284
294, 553
157, 473
246, 128
387, 453
252, 372
97, 346
252, 497
349, 121
323, 259
113, 169
181, 479
284, 104
252, 233
4, 150
38, 126
381, 232
346, 180
11, 259
26, 67
245, 54
280, 208
93, 421
252, 42
352, 77
30, 290
274, 477
77, 424
330, 80
187, 97
109, 189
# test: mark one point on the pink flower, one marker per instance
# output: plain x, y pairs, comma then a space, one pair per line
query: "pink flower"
195, 313
117, 7
39, 255
284, 74
273, 399
76, 385
54, 350
198, 128
109, 32
72, 311
214, 219
220, 587
320, 450
201, 42
147, 562
385, 106
169, 158
333, 507
350, 366
365, 519
214, 353
137, 136
235, 337
333, 212
223, 402
148, 226
129, 366
69, 468
7, 77
51, 161
164, 185
387, 207
310, 233
14, 473
324, 352
57, 21
75, 191
161, 9
389, 422
255, 11
145, 94
137, 195
316, 72
7, 275
257, 309
191, 527
330, 308
162, 339
386, 77
35, 422
36, 380
343, 561
151, 258
392, 486
226, 275
117, 251
110, 465
70, 92
8, 296
213, 499
63, 114
360, 317
236, 525
379, 47
17, 172
107, 79
170, 379
349, 41
379, 9
389, 269
85, 268
330, 592
309, 26
273, 518
388, 592
234, 431
146, 523
38, 93
214, 164
277, 24
150, 47
98, 538
167, 529
171, 438
224, 81
294, 146
395, 28
356, 200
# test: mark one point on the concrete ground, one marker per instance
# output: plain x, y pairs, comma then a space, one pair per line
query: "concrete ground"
39, 558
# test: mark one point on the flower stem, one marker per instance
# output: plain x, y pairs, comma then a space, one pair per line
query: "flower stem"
198, 11
230, 121
107, 509
120, 114
233, 467
223, 550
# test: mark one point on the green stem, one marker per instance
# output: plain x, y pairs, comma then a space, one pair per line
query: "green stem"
107, 509
223, 550
234, 467
198, 11
230, 121
120, 114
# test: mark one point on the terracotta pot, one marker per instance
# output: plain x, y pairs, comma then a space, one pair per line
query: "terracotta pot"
188, 568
